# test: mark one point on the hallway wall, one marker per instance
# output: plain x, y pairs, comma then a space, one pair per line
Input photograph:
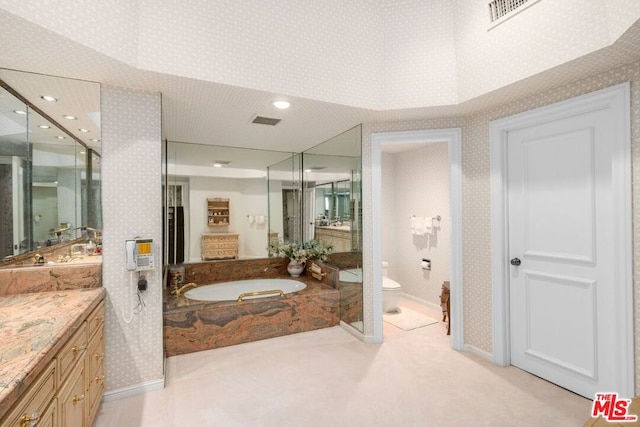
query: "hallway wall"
131, 201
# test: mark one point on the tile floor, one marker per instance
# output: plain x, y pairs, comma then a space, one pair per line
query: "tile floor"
329, 378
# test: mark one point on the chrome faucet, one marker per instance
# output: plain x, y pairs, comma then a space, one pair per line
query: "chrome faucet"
181, 290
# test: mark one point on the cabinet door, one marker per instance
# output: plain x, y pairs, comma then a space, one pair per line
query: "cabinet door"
72, 398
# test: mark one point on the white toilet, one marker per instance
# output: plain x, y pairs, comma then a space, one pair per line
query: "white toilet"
390, 291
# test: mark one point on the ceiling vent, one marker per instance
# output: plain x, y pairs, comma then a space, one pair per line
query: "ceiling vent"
501, 10
265, 121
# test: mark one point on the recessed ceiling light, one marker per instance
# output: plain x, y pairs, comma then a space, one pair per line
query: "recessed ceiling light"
217, 165
94, 140
70, 117
60, 137
83, 152
49, 98
83, 130
20, 112
281, 105
44, 127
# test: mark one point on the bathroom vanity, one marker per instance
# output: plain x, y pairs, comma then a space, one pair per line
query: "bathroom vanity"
52, 345
338, 236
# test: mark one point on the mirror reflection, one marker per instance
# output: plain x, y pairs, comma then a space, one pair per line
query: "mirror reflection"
49, 179
216, 192
333, 213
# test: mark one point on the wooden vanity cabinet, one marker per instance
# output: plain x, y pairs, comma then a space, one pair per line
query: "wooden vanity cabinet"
38, 403
69, 390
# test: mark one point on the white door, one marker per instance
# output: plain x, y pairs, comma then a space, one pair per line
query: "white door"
562, 248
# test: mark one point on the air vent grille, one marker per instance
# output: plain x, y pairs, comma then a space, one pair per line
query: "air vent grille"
265, 121
500, 8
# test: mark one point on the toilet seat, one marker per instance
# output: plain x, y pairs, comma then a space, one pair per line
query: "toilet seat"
389, 284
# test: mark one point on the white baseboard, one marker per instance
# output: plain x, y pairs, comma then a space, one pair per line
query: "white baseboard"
478, 352
133, 390
356, 333
422, 301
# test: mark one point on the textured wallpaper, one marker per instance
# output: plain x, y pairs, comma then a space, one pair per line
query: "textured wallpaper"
374, 54
476, 199
131, 201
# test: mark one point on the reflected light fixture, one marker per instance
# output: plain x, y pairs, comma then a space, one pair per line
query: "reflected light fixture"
49, 98
281, 105
83, 130
44, 126
20, 112
70, 117
60, 137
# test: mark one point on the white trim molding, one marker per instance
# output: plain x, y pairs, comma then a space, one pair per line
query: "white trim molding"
453, 138
616, 98
133, 390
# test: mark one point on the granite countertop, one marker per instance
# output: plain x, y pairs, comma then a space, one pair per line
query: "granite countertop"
33, 327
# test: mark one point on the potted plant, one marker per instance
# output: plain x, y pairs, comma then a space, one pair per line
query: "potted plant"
317, 249
299, 254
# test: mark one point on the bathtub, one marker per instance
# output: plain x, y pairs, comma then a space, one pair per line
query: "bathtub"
351, 275
232, 291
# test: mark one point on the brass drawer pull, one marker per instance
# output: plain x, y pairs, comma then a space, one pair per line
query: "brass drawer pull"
30, 420
98, 379
98, 356
75, 350
77, 399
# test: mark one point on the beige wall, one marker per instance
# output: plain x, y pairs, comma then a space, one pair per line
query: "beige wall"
476, 198
417, 185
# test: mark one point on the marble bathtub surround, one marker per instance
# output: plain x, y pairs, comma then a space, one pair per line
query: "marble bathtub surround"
34, 327
191, 326
207, 272
47, 278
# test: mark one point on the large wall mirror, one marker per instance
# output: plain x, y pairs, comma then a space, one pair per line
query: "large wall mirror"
49, 163
214, 192
332, 212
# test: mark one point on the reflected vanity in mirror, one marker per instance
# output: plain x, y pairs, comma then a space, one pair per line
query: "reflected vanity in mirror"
49, 173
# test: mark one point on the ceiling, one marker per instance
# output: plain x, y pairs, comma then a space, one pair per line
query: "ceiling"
201, 112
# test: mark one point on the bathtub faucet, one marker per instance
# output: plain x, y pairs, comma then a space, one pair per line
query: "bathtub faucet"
181, 290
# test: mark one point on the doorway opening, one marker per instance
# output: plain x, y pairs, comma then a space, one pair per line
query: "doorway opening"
453, 139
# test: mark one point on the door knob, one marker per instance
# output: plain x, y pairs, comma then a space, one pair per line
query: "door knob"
515, 261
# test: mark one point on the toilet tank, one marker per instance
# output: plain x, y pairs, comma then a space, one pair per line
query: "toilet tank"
385, 268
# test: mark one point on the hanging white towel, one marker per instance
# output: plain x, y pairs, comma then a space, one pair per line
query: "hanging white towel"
421, 226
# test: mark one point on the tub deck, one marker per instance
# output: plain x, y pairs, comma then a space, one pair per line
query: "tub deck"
191, 325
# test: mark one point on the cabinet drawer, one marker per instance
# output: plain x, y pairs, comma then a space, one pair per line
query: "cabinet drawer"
219, 245
95, 320
35, 400
73, 351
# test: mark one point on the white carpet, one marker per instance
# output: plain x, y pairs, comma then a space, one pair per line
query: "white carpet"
408, 319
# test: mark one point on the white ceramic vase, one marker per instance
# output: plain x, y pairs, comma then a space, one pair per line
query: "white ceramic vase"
295, 268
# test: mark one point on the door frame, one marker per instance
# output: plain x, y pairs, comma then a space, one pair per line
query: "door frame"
616, 98
453, 138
